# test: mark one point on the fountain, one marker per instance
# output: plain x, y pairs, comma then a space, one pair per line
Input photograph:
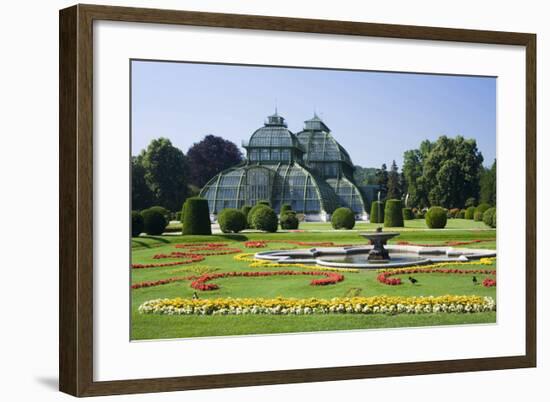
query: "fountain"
375, 254
378, 240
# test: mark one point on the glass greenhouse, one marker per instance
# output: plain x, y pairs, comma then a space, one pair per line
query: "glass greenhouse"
310, 171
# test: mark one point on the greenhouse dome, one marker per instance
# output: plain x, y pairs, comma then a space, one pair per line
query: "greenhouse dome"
284, 168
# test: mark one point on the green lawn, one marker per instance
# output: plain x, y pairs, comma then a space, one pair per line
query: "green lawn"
355, 284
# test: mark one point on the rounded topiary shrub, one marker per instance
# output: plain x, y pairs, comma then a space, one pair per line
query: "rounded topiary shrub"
154, 222
289, 221
488, 216
469, 214
196, 217
494, 223
263, 218
436, 218
264, 202
343, 218
137, 223
408, 214
393, 214
252, 211
478, 216
231, 220
245, 209
162, 210
285, 208
482, 207
461, 214
377, 212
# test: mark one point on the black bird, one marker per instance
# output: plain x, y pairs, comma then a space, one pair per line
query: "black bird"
412, 280
195, 296
474, 280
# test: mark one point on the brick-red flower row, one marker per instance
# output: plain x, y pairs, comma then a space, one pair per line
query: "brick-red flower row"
329, 277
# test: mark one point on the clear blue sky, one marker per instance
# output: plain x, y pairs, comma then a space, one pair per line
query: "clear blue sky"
375, 116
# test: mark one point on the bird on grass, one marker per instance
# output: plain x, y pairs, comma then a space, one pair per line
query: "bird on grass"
412, 280
474, 280
195, 296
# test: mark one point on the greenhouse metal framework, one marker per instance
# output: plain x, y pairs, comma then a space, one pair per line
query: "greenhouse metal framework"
310, 171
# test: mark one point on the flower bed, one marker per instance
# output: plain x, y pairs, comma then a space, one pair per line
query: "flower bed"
196, 252
384, 276
351, 305
254, 263
488, 282
330, 278
263, 243
447, 243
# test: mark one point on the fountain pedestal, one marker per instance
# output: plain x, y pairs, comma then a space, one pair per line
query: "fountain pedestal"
379, 240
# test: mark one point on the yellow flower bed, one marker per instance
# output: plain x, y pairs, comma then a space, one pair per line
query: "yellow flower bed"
342, 305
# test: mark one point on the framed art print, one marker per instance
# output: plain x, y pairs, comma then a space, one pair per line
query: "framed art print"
249, 200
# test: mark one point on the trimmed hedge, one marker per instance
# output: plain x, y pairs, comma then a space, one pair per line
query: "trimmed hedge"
196, 217
376, 217
231, 220
393, 214
343, 218
494, 223
436, 218
285, 208
162, 210
154, 221
246, 211
137, 223
408, 214
252, 211
264, 218
289, 221
478, 216
483, 207
488, 216
469, 214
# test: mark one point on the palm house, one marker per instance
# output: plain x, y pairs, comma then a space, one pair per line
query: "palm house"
310, 171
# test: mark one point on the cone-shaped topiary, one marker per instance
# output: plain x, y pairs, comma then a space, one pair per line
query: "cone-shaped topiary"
289, 221
408, 214
154, 222
343, 218
393, 214
436, 218
488, 216
137, 223
196, 217
376, 212
231, 220
470, 211
264, 218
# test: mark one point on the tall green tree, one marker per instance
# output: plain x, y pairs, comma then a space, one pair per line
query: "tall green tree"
382, 178
142, 196
412, 176
165, 173
451, 171
488, 185
394, 185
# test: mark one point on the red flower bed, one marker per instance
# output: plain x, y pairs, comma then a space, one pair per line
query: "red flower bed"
149, 284
447, 243
384, 277
195, 253
330, 278
488, 282
263, 243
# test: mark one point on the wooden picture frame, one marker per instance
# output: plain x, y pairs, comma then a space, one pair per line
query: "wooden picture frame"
76, 199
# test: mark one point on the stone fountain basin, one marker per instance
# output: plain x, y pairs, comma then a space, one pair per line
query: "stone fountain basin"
351, 257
